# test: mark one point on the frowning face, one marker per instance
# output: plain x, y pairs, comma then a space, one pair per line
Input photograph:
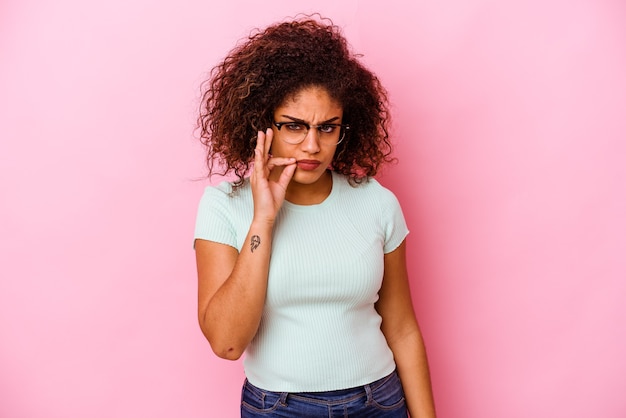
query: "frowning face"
311, 114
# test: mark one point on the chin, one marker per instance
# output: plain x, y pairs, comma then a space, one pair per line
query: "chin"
307, 177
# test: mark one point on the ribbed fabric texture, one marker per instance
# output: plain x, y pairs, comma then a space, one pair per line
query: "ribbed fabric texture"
319, 329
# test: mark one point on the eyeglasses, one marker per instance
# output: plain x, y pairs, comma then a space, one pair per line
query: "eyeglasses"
295, 132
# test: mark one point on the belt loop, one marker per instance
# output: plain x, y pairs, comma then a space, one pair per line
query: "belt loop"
370, 397
283, 398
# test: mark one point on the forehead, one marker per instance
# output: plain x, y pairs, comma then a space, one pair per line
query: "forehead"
310, 100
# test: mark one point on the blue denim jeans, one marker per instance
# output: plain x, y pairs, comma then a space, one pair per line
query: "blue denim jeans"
382, 398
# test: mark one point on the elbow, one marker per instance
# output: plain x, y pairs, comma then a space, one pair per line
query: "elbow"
224, 344
222, 347
226, 352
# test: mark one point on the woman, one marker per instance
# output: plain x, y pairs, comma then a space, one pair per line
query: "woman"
301, 260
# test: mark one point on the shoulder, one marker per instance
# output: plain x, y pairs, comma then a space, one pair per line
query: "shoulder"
227, 190
223, 211
368, 189
226, 198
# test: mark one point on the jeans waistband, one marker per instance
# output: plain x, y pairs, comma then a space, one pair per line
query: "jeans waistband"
326, 396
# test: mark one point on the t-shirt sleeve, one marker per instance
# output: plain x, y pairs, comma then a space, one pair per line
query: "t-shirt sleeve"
214, 221
395, 226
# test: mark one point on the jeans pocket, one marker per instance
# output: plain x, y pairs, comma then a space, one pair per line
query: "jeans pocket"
389, 395
257, 400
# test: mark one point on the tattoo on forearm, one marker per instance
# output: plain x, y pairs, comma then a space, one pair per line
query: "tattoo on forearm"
255, 241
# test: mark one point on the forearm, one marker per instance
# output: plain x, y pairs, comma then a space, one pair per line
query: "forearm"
412, 364
233, 314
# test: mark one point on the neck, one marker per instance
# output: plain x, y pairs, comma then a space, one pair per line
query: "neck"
310, 194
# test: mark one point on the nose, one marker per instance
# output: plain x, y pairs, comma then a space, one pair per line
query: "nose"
311, 143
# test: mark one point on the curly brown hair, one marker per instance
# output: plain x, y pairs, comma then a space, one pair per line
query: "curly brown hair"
256, 77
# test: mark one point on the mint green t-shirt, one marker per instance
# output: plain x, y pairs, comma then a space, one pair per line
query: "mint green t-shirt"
319, 330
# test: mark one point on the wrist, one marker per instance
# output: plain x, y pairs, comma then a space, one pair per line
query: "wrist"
262, 224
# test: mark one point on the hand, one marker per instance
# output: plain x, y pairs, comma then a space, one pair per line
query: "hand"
270, 178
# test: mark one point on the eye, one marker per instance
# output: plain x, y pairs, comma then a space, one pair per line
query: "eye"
327, 129
294, 126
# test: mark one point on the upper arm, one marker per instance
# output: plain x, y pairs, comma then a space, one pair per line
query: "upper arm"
394, 304
215, 262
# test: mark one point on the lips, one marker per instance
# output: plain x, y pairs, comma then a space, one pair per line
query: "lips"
308, 165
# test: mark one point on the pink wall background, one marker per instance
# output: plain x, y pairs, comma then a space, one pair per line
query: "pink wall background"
509, 123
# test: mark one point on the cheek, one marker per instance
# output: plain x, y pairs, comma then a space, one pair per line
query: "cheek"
278, 149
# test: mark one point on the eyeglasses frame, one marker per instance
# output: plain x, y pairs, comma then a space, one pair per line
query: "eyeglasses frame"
344, 127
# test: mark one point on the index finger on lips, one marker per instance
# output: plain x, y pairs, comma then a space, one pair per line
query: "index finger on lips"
280, 161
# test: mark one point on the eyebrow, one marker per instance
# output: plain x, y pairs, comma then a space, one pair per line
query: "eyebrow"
307, 123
